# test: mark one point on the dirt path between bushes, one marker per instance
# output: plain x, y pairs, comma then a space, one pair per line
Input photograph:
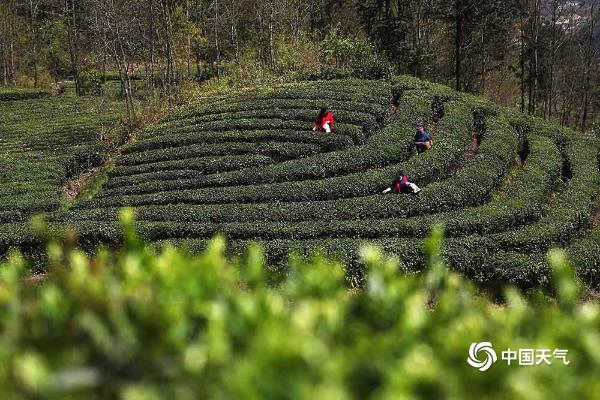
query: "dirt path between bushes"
595, 219
471, 150
74, 187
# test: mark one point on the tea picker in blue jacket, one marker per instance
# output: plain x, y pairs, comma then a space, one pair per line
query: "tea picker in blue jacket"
422, 141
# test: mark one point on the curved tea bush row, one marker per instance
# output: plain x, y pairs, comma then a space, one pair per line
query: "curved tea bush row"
566, 214
506, 187
330, 188
203, 165
517, 205
334, 141
367, 121
325, 94
352, 130
366, 182
379, 111
275, 150
44, 142
30, 203
390, 144
14, 94
369, 91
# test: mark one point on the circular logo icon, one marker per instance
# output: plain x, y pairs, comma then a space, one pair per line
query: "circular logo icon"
488, 356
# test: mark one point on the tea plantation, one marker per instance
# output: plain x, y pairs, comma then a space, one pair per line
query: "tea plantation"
145, 324
44, 141
506, 187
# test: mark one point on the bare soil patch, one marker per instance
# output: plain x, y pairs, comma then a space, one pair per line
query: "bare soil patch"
73, 188
471, 150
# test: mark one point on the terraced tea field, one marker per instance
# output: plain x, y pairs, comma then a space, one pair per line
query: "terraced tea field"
506, 187
10, 94
44, 141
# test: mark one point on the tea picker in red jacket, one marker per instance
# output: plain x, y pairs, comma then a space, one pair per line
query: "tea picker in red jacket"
324, 121
402, 185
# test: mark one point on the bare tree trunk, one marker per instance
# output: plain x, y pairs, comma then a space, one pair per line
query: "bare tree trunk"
197, 53
11, 38
259, 33
167, 25
197, 47
105, 52
522, 61
233, 18
588, 67
4, 51
312, 13
458, 44
217, 43
536, 29
71, 16
483, 61
33, 9
189, 41
553, 49
124, 76
271, 40
152, 45
532, 60
4, 65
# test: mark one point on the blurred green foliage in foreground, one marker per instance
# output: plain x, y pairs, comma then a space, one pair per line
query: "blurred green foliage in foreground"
137, 323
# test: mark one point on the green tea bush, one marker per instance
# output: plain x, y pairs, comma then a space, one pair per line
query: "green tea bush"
91, 81
335, 141
149, 323
366, 120
180, 117
43, 143
499, 214
330, 188
356, 132
275, 149
246, 165
208, 164
17, 93
379, 149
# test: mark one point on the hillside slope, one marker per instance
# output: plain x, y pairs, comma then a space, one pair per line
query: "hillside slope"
44, 141
506, 187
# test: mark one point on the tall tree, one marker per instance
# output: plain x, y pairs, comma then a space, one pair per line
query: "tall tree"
590, 55
33, 14
458, 42
70, 14
11, 41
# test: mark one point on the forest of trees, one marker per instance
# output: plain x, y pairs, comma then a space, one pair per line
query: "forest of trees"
542, 56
